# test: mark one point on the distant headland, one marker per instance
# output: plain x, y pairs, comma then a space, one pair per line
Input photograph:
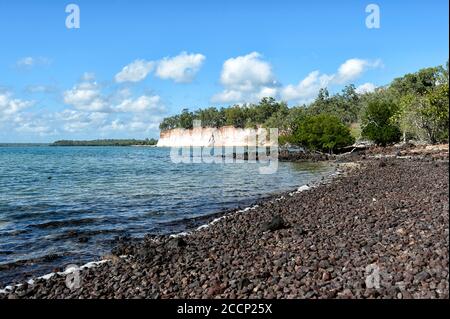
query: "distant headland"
106, 142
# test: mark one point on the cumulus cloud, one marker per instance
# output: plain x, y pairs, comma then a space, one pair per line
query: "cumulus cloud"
93, 110
15, 115
103, 124
353, 68
246, 78
365, 88
96, 112
10, 106
135, 71
245, 73
227, 96
143, 103
134, 124
180, 68
307, 89
30, 123
79, 121
249, 78
86, 96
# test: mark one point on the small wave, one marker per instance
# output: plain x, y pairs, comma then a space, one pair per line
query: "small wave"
43, 259
65, 223
85, 234
14, 233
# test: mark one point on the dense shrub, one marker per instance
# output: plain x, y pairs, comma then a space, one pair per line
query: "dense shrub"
378, 124
322, 132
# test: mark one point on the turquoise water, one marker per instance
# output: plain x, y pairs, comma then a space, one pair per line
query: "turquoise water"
67, 204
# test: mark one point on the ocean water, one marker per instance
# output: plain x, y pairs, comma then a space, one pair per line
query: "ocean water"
61, 205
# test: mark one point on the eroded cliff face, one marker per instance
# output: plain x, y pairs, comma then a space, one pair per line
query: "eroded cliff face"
223, 136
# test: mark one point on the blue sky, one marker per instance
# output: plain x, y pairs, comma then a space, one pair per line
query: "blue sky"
133, 62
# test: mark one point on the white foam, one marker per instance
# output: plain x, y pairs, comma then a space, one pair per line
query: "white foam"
179, 234
214, 221
5, 290
47, 276
300, 189
303, 188
69, 270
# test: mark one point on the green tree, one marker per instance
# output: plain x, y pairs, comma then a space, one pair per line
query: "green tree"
186, 119
418, 83
235, 116
423, 104
433, 115
279, 118
210, 117
378, 123
266, 108
346, 106
322, 132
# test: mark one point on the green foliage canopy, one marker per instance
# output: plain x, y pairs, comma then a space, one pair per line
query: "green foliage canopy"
377, 124
322, 132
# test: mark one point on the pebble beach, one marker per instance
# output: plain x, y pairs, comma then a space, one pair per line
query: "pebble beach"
380, 229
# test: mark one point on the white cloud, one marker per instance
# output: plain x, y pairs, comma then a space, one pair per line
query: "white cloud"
124, 93
94, 111
100, 113
33, 124
267, 92
246, 78
180, 68
227, 96
143, 103
88, 77
134, 124
14, 115
29, 62
85, 96
366, 88
135, 71
306, 90
245, 73
40, 88
102, 124
10, 106
79, 121
353, 68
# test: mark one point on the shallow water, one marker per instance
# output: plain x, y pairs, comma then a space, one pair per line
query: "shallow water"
61, 205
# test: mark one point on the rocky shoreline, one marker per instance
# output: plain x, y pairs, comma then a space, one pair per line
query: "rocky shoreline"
379, 231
